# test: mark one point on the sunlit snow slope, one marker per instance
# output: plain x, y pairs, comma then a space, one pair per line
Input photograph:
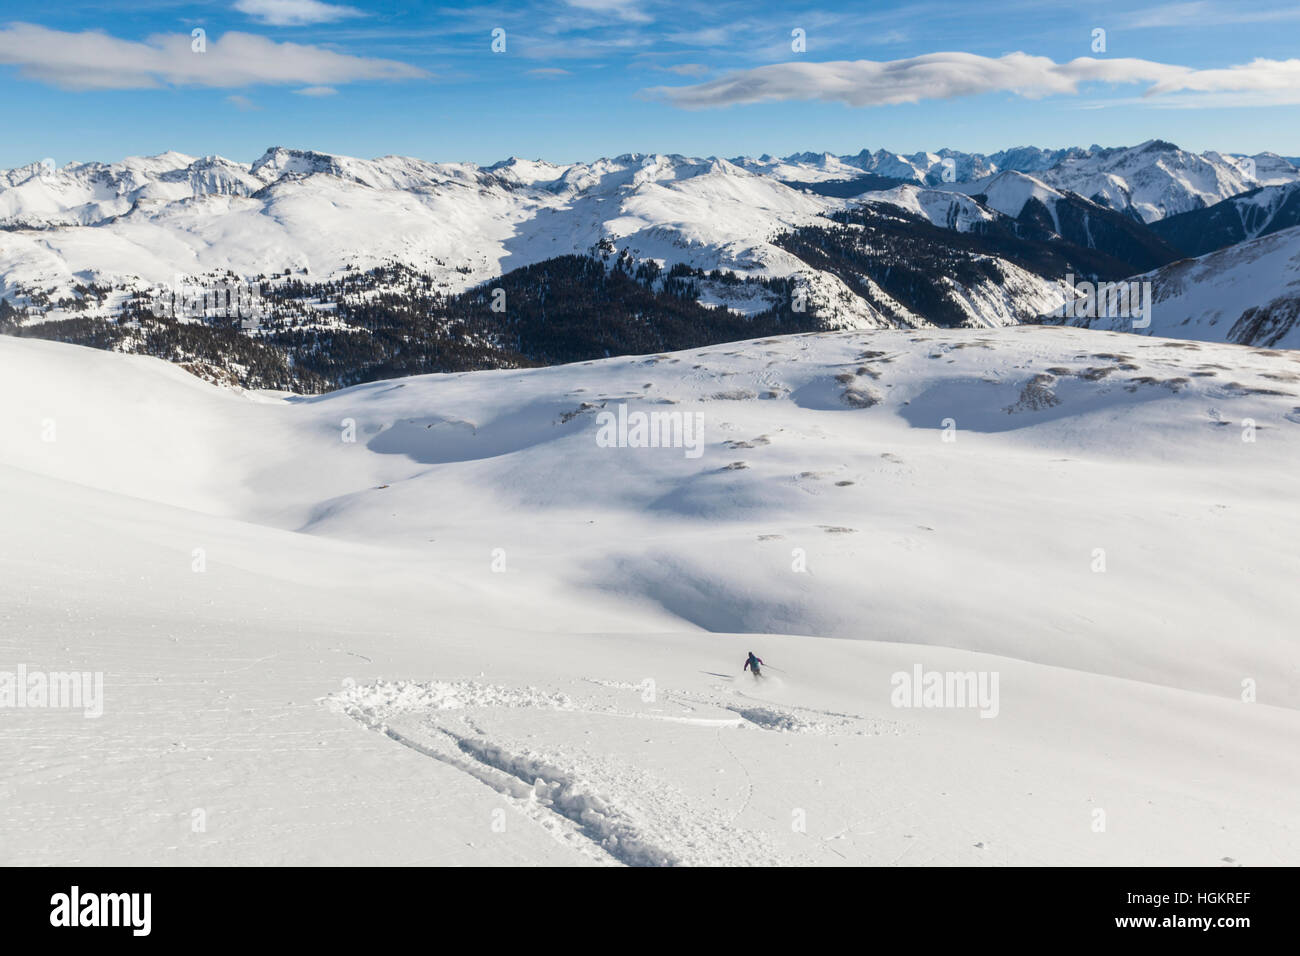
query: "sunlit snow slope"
474, 635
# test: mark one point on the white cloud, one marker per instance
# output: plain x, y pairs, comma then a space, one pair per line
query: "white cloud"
630, 10
295, 13
955, 74
242, 103
684, 69
1257, 76
316, 91
549, 71
97, 61
709, 36
1202, 14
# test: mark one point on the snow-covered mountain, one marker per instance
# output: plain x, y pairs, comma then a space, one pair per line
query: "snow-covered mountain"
1259, 212
1148, 182
1247, 294
458, 223
942, 207
373, 268
1153, 180
926, 168
351, 256
1015, 203
39, 196
804, 167
171, 214
1034, 159
168, 214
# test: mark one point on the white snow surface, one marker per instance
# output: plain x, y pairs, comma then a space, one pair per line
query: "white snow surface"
1247, 292
161, 218
1008, 192
1152, 180
946, 208
475, 636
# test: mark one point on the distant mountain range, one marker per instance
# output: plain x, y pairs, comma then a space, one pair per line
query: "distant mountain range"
371, 268
1149, 181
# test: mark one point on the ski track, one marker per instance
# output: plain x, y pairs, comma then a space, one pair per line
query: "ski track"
787, 719
601, 807
216, 681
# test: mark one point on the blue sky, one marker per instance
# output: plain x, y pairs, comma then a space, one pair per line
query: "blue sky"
585, 78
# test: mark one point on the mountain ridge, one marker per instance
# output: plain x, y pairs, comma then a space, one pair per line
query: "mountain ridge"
342, 254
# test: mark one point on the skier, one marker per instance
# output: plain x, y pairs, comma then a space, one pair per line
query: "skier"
752, 663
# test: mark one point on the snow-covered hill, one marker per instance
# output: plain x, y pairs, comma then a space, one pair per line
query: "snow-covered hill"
942, 207
1247, 294
439, 620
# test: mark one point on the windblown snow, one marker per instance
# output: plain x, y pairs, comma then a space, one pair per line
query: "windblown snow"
441, 620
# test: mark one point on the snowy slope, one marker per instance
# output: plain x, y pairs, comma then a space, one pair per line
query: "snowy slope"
923, 167
946, 208
171, 215
349, 680
1247, 294
1008, 193
803, 167
1269, 169
952, 206
1013, 204
1033, 159
1152, 180
1259, 212
90, 193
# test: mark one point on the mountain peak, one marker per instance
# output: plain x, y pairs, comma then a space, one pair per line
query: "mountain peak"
279, 160
1157, 146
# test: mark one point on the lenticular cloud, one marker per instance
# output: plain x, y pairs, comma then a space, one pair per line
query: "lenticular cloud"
90, 60
954, 74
